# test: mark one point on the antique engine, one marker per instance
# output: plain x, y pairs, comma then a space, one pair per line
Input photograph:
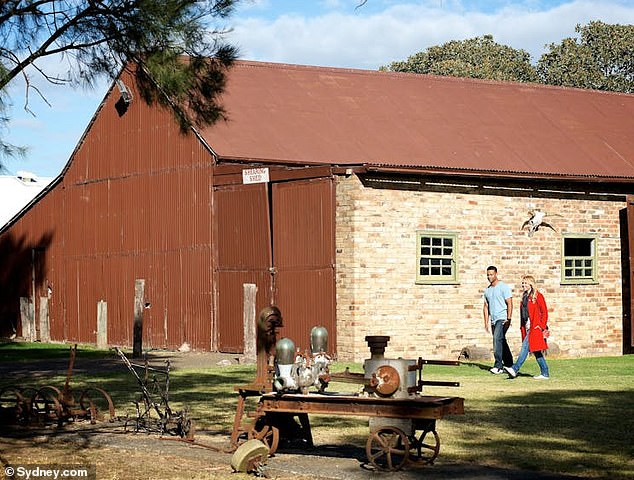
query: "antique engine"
388, 377
396, 378
295, 371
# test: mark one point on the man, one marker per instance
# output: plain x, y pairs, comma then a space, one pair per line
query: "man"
497, 311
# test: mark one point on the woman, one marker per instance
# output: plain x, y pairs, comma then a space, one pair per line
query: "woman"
534, 328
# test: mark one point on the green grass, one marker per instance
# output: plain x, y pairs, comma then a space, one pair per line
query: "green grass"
11, 351
580, 422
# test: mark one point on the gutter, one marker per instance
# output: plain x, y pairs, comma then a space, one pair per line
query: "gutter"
499, 175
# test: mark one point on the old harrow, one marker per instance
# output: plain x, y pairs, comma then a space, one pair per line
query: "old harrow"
48, 404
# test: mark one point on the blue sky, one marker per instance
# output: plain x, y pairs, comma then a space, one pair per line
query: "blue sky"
327, 33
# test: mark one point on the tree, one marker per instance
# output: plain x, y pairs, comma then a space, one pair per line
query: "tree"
177, 55
602, 59
479, 57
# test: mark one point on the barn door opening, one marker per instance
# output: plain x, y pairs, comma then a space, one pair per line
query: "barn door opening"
280, 237
243, 256
627, 262
304, 257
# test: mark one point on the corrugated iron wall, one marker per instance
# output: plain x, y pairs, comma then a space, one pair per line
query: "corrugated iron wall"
243, 242
135, 203
280, 237
304, 257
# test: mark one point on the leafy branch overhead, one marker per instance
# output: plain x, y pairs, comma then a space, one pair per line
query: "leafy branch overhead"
96, 38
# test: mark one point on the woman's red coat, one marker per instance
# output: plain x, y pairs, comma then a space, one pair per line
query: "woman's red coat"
538, 314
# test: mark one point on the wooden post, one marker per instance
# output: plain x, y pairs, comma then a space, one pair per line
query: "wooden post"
45, 330
102, 324
27, 315
248, 317
139, 294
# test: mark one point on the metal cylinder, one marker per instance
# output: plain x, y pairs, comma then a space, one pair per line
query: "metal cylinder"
318, 340
401, 366
377, 344
285, 352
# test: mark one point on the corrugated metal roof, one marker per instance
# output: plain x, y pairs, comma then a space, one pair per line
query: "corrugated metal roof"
17, 191
316, 115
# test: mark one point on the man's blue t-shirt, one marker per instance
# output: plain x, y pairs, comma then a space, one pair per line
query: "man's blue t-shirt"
496, 298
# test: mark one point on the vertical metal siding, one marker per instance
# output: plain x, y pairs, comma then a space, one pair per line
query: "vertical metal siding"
243, 256
134, 203
303, 239
302, 257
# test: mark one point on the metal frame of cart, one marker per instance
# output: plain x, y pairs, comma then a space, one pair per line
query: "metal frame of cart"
388, 447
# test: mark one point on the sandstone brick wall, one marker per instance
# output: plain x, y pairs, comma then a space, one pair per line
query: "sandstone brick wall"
376, 270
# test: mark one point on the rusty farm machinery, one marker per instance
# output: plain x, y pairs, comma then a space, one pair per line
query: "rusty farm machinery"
402, 421
49, 404
153, 412
273, 409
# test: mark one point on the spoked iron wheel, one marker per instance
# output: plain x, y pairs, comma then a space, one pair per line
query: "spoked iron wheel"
387, 449
425, 448
265, 432
14, 406
46, 406
96, 402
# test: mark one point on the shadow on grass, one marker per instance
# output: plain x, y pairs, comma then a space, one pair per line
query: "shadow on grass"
572, 431
579, 432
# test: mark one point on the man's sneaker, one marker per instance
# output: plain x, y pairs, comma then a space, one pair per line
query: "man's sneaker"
541, 377
512, 373
496, 371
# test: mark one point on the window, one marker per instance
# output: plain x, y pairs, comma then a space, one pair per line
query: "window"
437, 257
579, 259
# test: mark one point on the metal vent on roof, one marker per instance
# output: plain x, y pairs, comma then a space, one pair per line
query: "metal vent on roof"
26, 177
126, 95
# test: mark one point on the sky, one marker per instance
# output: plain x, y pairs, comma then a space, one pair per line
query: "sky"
334, 33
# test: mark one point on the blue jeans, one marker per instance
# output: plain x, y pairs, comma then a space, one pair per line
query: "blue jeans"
541, 361
501, 351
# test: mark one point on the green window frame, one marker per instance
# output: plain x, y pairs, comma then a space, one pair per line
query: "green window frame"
579, 259
437, 257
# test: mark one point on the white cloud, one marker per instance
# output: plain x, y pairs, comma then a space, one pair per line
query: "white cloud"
329, 33
351, 39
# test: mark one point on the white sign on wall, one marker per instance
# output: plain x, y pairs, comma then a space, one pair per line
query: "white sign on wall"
255, 175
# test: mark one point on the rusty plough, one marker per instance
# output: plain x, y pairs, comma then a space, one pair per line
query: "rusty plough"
49, 404
153, 413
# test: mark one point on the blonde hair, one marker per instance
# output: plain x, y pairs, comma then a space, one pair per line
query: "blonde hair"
531, 281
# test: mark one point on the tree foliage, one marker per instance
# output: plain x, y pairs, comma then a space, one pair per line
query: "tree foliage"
174, 47
479, 57
602, 59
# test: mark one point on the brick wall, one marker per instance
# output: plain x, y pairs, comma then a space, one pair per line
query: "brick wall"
376, 270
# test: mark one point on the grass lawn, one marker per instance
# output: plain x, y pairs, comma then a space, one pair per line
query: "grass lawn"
580, 422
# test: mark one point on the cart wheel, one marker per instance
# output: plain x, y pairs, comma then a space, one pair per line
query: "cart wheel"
45, 405
266, 433
387, 449
14, 407
95, 402
427, 447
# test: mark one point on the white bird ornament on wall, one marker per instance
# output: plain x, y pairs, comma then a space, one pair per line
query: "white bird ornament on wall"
536, 221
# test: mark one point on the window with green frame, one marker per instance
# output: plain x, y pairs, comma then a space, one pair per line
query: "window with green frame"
579, 259
437, 257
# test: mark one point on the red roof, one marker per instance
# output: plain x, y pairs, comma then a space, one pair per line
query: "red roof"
315, 115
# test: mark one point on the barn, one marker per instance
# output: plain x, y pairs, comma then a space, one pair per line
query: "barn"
368, 202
